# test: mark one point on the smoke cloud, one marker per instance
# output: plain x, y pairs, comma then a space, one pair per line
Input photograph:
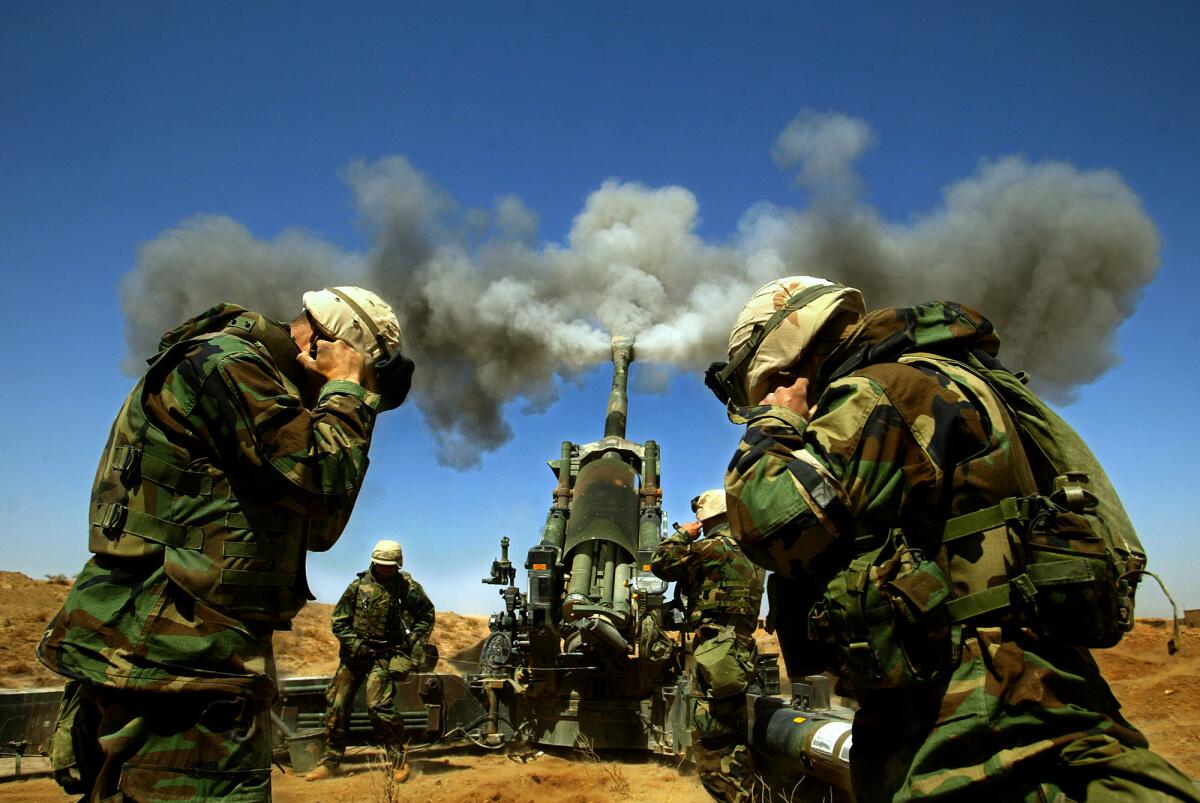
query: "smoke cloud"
1055, 256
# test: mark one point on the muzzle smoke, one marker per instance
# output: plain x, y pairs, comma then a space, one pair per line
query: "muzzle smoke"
1055, 256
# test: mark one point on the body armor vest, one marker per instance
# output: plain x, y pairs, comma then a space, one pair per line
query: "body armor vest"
738, 591
156, 498
376, 609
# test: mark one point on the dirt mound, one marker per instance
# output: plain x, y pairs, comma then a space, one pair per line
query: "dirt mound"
26, 607
309, 648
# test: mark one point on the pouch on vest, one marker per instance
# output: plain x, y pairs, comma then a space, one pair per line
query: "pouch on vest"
884, 619
1068, 585
720, 665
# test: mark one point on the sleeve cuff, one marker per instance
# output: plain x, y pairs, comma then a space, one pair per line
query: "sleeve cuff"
348, 388
787, 415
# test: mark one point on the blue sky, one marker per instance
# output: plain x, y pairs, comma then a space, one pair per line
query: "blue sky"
118, 122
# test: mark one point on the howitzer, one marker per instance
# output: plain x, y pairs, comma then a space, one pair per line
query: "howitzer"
582, 652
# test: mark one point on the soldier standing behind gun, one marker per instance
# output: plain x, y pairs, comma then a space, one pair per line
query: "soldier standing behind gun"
383, 621
898, 477
243, 446
723, 590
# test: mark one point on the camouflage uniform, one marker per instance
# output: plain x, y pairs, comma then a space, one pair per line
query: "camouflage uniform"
1013, 717
215, 481
724, 591
382, 624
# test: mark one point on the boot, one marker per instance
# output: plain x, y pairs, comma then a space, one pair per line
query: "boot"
321, 772
401, 773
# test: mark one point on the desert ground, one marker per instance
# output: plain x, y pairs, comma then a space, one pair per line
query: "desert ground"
1160, 694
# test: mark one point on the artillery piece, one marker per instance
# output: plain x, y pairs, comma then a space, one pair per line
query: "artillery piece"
583, 651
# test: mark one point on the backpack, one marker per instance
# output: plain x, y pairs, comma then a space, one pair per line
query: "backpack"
891, 618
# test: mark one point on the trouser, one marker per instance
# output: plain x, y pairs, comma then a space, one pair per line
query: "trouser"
339, 703
725, 660
111, 745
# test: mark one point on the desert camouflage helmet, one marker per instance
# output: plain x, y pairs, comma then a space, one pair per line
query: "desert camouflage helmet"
387, 553
359, 317
813, 303
709, 505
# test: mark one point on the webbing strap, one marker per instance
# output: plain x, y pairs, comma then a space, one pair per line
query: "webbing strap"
1061, 572
241, 577
1024, 586
241, 549
991, 599
113, 516
1012, 509
268, 524
160, 472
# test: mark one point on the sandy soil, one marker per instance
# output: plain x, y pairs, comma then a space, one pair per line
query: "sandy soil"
1160, 693
460, 778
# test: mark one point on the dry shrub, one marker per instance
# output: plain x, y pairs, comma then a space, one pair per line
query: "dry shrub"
384, 786
610, 775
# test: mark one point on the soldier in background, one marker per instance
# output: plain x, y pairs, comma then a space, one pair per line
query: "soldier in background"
882, 467
242, 447
724, 591
382, 621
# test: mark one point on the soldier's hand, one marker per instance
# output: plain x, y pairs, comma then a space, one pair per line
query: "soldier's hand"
335, 360
793, 397
692, 528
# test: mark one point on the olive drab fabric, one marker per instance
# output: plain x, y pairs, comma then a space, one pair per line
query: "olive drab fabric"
857, 500
392, 611
724, 591
132, 746
716, 576
382, 625
216, 479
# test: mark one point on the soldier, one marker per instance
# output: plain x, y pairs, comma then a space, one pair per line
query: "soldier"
382, 621
242, 446
877, 454
723, 590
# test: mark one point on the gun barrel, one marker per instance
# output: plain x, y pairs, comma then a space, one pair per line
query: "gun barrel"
618, 398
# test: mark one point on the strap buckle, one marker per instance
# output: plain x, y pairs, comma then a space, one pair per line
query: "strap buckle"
112, 516
126, 459
1025, 588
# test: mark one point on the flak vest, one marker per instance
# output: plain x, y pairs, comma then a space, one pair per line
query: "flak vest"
731, 594
376, 614
156, 499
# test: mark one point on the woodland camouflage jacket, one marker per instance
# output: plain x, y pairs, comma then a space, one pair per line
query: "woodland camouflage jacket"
890, 445
233, 472
714, 573
383, 613
907, 445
